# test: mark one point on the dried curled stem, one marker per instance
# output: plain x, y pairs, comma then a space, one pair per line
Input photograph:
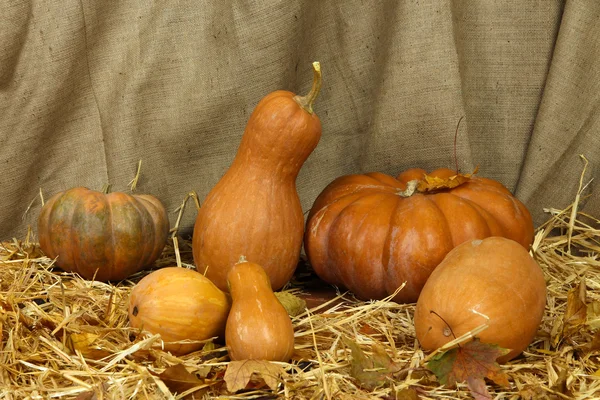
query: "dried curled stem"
307, 101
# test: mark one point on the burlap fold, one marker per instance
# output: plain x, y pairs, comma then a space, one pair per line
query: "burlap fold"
88, 88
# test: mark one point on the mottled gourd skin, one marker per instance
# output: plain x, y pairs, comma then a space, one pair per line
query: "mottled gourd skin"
258, 326
363, 235
494, 278
102, 236
180, 305
254, 210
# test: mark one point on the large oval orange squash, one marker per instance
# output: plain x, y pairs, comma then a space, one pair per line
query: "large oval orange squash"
180, 305
102, 236
254, 210
494, 278
365, 233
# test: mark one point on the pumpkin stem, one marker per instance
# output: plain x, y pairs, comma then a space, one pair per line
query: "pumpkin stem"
307, 101
106, 188
411, 188
242, 260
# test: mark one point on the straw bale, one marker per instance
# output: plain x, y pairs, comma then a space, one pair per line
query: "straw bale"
65, 337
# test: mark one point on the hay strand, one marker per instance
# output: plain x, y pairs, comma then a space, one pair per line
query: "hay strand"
175, 229
133, 183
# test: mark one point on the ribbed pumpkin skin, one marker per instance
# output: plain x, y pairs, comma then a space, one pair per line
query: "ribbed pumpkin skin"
362, 235
179, 304
102, 236
258, 326
254, 210
495, 277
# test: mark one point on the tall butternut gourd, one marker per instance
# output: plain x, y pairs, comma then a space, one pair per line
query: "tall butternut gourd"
258, 326
254, 209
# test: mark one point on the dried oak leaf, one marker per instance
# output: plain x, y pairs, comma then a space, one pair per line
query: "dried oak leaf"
471, 362
576, 313
371, 371
178, 379
239, 373
433, 183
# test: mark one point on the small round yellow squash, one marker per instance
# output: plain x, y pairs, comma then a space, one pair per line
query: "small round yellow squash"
495, 278
179, 304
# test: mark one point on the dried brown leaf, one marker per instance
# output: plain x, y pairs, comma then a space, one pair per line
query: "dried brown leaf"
88, 395
533, 392
560, 386
478, 388
178, 379
83, 342
144, 355
471, 361
576, 313
367, 329
1, 327
371, 371
293, 304
594, 345
434, 183
239, 374
593, 315
96, 394
407, 394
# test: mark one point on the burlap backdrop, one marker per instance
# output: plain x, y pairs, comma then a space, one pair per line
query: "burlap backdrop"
88, 88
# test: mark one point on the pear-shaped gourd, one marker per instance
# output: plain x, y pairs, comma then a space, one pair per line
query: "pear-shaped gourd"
258, 327
254, 210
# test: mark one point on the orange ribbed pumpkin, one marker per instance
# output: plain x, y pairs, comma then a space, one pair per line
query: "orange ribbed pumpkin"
367, 234
102, 236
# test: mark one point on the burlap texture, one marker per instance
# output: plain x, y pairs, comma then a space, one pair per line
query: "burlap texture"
88, 88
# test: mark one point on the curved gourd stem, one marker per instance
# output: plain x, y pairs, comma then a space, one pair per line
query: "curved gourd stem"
411, 188
306, 102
